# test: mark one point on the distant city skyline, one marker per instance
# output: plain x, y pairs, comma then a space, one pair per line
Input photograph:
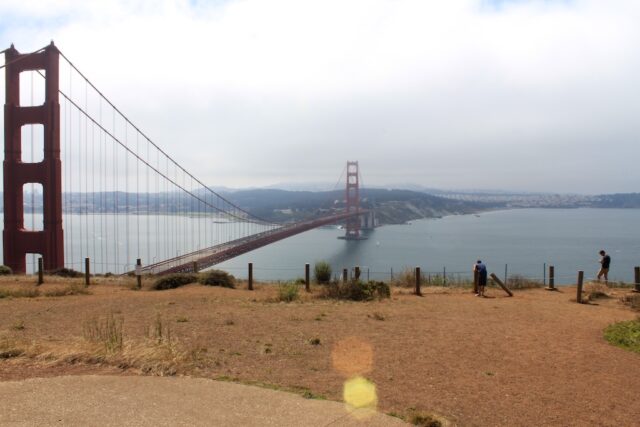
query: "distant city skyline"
511, 95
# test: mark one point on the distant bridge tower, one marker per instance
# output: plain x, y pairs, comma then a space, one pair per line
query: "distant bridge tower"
17, 242
353, 201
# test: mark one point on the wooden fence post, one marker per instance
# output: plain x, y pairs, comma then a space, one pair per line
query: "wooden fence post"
40, 272
499, 282
307, 279
418, 292
250, 278
579, 290
506, 277
552, 279
87, 272
195, 266
476, 274
357, 272
345, 275
636, 271
139, 273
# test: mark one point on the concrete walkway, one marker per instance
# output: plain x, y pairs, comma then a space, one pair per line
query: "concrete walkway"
155, 401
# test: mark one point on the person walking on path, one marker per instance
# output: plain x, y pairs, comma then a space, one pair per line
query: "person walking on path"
605, 262
482, 277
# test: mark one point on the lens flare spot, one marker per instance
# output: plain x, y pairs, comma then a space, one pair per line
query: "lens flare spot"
360, 393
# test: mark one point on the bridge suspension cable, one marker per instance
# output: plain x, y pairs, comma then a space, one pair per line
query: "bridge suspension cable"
124, 196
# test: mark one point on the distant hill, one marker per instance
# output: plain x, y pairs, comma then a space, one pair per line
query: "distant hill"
621, 200
392, 206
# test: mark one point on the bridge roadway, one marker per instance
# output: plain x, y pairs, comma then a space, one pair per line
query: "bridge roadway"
220, 253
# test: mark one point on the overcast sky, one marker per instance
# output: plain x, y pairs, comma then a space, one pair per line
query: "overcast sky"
514, 95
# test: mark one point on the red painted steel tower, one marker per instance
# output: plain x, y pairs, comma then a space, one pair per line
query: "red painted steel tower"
353, 201
17, 242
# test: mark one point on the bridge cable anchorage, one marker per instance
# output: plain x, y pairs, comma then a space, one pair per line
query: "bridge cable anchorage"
156, 146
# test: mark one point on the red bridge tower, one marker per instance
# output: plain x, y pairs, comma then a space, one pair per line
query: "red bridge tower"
353, 201
17, 242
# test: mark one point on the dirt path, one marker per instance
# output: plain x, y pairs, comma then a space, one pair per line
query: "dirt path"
155, 401
534, 359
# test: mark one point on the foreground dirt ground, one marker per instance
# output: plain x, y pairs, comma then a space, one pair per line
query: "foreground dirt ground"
534, 359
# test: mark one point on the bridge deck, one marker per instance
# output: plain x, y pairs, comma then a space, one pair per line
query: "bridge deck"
216, 254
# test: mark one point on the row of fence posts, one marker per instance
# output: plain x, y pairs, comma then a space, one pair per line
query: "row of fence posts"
357, 273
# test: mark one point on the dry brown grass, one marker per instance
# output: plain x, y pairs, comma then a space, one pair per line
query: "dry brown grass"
632, 300
104, 343
24, 292
517, 282
71, 289
407, 279
594, 291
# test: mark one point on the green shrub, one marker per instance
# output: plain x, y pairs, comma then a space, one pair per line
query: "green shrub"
356, 290
66, 272
218, 278
288, 292
625, 335
173, 281
322, 272
4, 270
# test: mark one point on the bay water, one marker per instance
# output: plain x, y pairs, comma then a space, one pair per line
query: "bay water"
521, 240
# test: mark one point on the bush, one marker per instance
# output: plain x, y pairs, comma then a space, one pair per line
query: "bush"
356, 290
4, 270
218, 278
625, 335
322, 272
173, 281
66, 272
288, 292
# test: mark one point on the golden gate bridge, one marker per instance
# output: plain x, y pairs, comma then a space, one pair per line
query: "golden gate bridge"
109, 193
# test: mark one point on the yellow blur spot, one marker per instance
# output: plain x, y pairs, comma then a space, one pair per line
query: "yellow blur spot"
360, 393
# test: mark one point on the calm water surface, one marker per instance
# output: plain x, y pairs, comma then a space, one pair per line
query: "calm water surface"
522, 239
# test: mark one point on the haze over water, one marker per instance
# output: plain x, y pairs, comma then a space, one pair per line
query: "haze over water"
524, 239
